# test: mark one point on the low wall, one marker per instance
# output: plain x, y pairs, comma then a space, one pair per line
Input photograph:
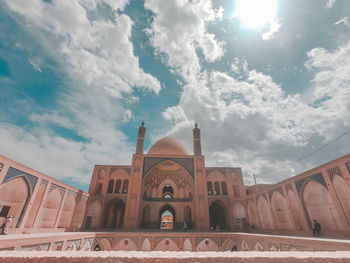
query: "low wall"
170, 257
167, 241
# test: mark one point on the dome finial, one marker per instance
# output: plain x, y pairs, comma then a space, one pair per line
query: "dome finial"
142, 123
196, 124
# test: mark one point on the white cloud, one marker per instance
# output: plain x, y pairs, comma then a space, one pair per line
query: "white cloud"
35, 66
179, 28
274, 27
98, 53
330, 3
83, 127
345, 21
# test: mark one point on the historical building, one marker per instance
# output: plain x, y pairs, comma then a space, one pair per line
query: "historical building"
163, 189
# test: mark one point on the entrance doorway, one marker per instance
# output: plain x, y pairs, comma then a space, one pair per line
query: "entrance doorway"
167, 217
217, 216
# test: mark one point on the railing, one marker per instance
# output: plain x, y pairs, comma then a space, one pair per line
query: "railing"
157, 199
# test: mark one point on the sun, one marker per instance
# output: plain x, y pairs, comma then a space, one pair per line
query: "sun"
255, 13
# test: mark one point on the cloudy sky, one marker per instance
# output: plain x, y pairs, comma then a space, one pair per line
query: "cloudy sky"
267, 81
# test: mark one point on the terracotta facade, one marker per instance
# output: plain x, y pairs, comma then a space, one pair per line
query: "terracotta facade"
168, 178
37, 202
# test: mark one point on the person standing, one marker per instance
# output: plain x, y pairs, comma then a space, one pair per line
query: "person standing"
317, 228
5, 227
185, 226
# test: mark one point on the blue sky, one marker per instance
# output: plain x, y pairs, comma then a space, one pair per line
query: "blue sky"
77, 77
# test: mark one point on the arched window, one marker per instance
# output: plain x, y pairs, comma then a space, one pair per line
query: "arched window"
216, 188
168, 191
223, 188
110, 186
118, 187
125, 186
210, 188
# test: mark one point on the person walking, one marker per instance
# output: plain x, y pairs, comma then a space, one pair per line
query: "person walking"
317, 228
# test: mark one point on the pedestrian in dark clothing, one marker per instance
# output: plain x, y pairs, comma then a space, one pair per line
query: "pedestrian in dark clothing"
317, 228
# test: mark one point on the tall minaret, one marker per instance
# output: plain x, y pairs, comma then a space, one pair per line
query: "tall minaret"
197, 148
141, 139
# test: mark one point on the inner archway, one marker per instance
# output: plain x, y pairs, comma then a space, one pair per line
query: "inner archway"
217, 216
167, 217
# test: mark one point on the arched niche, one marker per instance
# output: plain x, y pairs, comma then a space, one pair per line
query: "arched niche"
166, 244
297, 213
227, 245
114, 214
281, 210
244, 246
187, 245
258, 247
207, 245
104, 245
167, 172
188, 216
217, 214
15, 193
320, 206
79, 214
126, 244
67, 212
343, 193
35, 207
48, 214
146, 245
93, 215
239, 215
253, 215
265, 214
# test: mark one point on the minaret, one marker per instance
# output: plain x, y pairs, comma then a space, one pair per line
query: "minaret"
141, 139
197, 148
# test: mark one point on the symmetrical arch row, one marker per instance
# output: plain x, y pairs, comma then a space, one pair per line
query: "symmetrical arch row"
216, 188
45, 206
293, 211
118, 186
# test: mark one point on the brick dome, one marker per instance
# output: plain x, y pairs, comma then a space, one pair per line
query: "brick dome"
168, 146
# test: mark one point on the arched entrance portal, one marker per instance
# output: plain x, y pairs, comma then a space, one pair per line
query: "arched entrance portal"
167, 217
217, 216
115, 214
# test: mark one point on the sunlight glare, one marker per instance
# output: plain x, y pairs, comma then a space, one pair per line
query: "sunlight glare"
255, 13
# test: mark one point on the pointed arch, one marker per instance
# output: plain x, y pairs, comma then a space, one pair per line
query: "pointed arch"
320, 206
217, 214
50, 210
146, 245
343, 193
110, 186
239, 215
253, 215
187, 245
281, 210
67, 212
210, 188
15, 194
265, 214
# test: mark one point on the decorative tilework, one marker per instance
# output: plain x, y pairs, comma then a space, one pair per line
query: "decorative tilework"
70, 192
61, 189
44, 182
317, 177
127, 170
150, 162
334, 171
12, 173
262, 194
278, 189
348, 166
